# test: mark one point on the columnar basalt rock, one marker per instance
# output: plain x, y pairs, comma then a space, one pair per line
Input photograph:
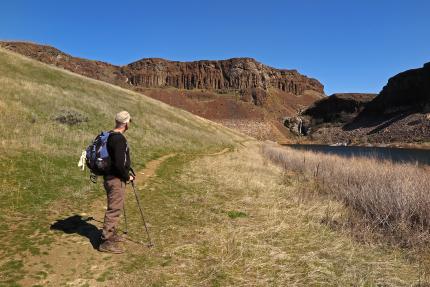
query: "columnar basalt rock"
236, 74
232, 74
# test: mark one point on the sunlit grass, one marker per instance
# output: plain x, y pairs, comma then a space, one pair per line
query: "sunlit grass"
39, 154
233, 220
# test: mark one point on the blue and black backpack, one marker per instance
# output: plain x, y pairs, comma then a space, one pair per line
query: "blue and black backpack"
97, 155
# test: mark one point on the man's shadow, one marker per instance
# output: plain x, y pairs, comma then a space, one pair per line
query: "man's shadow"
76, 224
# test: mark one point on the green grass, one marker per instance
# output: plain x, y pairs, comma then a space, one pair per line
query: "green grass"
235, 214
11, 272
38, 155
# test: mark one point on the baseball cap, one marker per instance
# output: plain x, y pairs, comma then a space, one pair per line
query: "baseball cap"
123, 117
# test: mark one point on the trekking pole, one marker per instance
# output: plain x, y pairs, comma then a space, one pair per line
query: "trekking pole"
125, 219
150, 244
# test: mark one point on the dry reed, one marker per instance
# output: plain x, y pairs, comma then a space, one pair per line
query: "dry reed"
391, 196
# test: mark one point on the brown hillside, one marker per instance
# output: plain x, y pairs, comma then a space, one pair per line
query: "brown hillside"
238, 89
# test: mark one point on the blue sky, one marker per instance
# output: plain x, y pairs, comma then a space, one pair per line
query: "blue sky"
349, 45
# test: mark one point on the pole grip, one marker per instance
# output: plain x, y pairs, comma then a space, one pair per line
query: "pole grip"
132, 172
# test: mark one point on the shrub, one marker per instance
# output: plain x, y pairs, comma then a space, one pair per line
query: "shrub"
70, 117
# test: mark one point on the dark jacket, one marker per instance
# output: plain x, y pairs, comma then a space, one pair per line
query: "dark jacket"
120, 156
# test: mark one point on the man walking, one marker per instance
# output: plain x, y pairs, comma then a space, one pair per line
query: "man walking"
115, 181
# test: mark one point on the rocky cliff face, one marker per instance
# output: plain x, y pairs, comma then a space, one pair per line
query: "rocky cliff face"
335, 110
237, 74
408, 91
338, 108
399, 114
225, 75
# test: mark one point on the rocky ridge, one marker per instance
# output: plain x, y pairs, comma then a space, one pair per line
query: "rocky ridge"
398, 115
408, 91
232, 74
234, 91
222, 75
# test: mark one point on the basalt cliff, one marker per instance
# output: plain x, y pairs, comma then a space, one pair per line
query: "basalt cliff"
239, 92
236, 74
398, 115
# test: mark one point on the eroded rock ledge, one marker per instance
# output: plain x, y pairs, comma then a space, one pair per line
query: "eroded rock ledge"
239, 74
231, 74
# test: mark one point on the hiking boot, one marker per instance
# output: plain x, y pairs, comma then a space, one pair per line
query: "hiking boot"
118, 238
111, 247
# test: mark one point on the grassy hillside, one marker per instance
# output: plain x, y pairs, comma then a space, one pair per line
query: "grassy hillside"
229, 218
39, 154
35, 147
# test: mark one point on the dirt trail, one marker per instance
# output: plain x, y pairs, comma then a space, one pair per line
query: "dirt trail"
150, 169
72, 258
216, 153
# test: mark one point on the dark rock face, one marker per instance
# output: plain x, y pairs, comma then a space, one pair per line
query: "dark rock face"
295, 125
233, 74
408, 91
340, 108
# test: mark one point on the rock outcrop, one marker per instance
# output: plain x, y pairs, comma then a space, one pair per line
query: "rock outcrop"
408, 91
237, 74
338, 108
233, 74
399, 114
295, 125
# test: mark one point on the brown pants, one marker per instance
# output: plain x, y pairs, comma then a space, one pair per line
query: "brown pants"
115, 190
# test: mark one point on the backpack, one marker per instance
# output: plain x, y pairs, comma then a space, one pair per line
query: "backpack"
97, 155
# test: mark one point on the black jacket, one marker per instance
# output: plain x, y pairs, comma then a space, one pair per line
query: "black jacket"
120, 156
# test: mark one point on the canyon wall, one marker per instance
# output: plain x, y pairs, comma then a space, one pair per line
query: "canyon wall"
408, 91
237, 74
223, 75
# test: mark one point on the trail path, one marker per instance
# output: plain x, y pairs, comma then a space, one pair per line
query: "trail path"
72, 259
216, 153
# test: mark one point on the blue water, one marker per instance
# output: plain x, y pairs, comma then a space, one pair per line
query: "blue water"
408, 155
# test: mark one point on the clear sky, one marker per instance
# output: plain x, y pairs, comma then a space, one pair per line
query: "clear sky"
349, 45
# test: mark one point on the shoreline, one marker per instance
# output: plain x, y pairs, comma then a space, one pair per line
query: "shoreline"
425, 146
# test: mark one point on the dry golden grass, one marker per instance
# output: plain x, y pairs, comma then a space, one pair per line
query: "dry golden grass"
392, 197
237, 220
258, 129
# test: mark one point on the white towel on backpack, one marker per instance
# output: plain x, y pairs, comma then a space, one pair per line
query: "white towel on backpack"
81, 162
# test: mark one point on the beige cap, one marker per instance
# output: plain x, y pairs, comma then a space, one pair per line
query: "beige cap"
123, 117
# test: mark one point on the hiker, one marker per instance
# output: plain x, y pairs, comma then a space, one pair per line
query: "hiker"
114, 183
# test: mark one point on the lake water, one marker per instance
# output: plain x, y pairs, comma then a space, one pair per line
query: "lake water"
409, 155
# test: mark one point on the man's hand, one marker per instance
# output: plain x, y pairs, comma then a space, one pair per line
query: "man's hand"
131, 178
